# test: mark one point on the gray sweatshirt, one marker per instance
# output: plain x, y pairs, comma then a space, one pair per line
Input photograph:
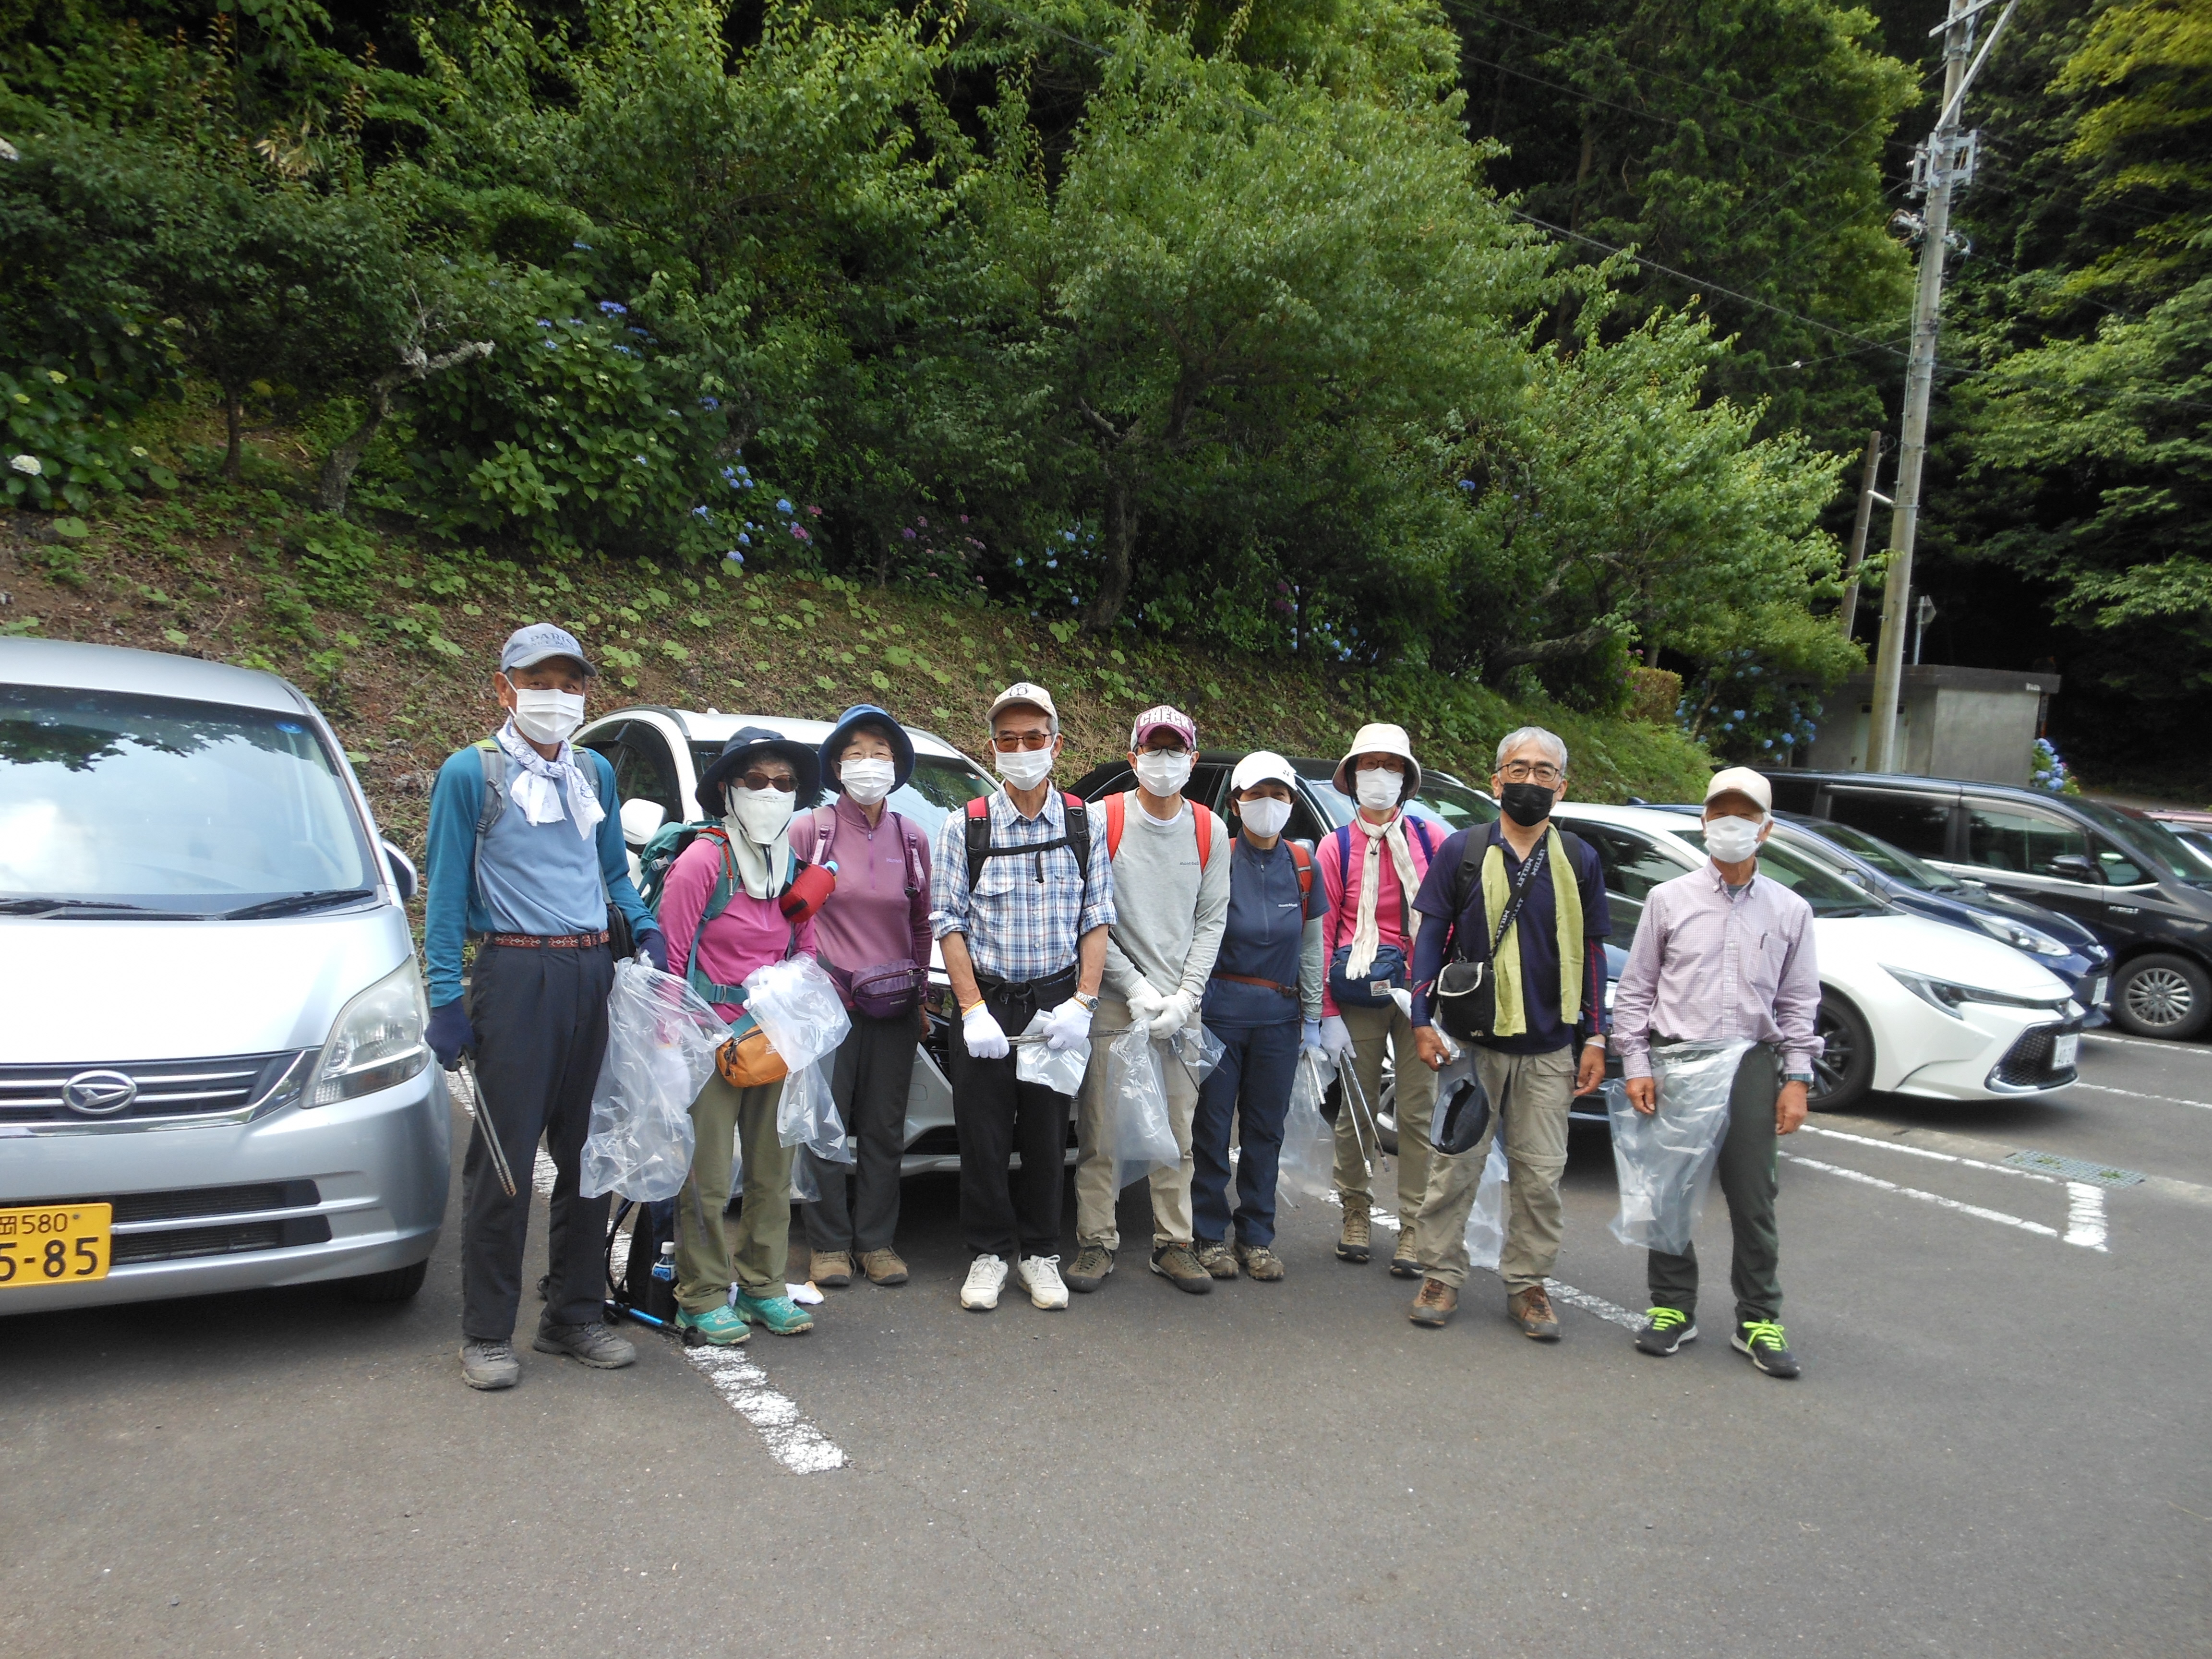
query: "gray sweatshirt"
1170, 913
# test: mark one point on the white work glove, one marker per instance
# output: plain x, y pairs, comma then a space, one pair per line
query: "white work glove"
985, 1037
1335, 1037
1144, 1003
1174, 1014
1310, 1038
1066, 1025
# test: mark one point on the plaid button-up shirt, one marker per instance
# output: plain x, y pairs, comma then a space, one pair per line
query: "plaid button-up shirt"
1027, 911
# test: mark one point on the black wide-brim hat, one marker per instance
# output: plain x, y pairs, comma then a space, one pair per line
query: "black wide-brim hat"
750, 744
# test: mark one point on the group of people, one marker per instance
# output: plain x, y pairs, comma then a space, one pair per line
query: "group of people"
1063, 923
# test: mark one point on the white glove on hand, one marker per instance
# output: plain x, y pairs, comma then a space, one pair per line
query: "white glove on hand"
1066, 1025
1335, 1036
1174, 1014
1144, 1003
985, 1037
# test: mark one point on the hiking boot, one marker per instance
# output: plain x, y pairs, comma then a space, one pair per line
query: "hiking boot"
1404, 1264
1179, 1266
779, 1314
883, 1266
718, 1326
1435, 1304
986, 1277
1092, 1263
1356, 1239
1213, 1255
831, 1270
1667, 1330
1762, 1341
593, 1343
490, 1364
1531, 1311
1040, 1276
1260, 1262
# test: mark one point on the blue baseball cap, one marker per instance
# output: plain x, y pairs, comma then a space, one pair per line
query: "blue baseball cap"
529, 646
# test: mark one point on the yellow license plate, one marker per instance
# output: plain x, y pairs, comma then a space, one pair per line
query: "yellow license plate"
54, 1243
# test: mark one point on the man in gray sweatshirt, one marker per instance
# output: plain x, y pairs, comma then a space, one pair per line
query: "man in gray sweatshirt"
1170, 859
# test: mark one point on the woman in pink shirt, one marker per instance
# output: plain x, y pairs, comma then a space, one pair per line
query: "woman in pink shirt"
745, 866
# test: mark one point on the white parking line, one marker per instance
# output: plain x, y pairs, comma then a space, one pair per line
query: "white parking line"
1940, 1157
2163, 1046
2137, 1094
791, 1440
2085, 1205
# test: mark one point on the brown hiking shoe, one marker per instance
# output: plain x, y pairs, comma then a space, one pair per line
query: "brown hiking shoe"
831, 1270
1355, 1241
1179, 1267
883, 1266
1532, 1309
1214, 1257
1088, 1272
1404, 1264
1435, 1304
1260, 1262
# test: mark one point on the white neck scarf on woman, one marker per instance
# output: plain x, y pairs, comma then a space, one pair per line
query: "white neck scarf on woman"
1365, 939
764, 867
539, 786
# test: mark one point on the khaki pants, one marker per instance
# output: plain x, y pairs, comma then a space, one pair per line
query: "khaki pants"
1097, 1172
1370, 1029
705, 1258
1537, 1090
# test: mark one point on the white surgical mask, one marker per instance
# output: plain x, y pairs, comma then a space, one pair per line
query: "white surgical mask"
1378, 790
760, 815
1164, 772
866, 781
1732, 841
547, 716
1025, 768
1264, 815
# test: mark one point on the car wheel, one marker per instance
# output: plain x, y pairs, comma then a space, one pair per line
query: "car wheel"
2162, 996
397, 1286
1843, 1070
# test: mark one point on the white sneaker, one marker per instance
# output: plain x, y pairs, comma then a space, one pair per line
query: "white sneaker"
1040, 1276
986, 1276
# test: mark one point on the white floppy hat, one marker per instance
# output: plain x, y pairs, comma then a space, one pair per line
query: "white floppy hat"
1380, 738
1262, 766
1742, 780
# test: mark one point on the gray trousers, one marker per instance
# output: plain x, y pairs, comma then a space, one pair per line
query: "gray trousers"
859, 1212
1747, 1180
541, 1023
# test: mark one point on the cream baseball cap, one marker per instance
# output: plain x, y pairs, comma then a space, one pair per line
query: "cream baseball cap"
1742, 780
1023, 691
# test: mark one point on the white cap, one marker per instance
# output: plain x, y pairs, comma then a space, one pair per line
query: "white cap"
1742, 780
1262, 766
1023, 691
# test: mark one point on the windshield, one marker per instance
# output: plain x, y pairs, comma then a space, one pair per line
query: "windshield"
1893, 861
1828, 893
940, 784
2165, 850
152, 803
1445, 800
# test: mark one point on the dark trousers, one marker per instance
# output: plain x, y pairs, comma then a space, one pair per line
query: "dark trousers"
995, 1114
1747, 1177
859, 1212
541, 1023
1252, 1085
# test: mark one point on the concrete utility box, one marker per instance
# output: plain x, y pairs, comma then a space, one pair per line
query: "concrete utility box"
1976, 723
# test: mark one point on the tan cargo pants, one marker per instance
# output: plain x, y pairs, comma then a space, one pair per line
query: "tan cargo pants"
1371, 1028
1537, 1089
1097, 1173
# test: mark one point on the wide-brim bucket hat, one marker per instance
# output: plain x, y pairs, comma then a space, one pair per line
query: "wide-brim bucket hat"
867, 714
751, 743
1380, 738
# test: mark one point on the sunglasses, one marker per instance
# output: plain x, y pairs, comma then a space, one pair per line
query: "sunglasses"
1010, 741
764, 781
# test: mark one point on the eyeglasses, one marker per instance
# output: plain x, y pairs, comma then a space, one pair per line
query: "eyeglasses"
1009, 741
1522, 772
768, 780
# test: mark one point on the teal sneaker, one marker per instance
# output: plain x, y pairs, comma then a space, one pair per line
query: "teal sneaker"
720, 1327
778, 1313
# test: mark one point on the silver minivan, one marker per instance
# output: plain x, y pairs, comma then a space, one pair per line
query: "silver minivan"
213, 1074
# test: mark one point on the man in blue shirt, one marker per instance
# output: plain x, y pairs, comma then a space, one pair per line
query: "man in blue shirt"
526, 850
1548, 975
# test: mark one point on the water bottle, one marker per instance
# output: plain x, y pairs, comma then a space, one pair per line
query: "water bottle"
660, 1298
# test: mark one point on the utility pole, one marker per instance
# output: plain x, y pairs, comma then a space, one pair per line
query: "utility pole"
1848, 614
1945, 163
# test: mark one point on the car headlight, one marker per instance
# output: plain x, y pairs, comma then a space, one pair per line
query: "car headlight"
2020, 936
1949, 997
377, 1041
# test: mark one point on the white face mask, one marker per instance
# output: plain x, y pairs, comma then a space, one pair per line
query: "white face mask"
1164, 772
1025, 768
760, 815
1731, 841
1378, 790
866, 781
547, 716
1264, 815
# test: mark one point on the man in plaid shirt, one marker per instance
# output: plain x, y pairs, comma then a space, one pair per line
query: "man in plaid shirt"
1023, 932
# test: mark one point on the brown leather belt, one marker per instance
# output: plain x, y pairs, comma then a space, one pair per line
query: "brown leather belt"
1248, 979
548, 941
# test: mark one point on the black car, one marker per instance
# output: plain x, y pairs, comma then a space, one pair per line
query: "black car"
2136, 886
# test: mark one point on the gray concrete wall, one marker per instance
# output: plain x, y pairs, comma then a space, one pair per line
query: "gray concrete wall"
1953, 723
1982, 735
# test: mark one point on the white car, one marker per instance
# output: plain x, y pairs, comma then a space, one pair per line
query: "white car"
657, 756
1907, 1005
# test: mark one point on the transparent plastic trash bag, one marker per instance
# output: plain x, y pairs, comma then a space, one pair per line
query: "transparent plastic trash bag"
798, 1011
1198, 1048
1036, 1061
661, 1040
806, 1113
1144, 1136
1666, 1160
1308, 1163
1486, 1222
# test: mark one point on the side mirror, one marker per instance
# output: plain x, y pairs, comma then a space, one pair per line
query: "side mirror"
2072, 866
403, 871
640, 819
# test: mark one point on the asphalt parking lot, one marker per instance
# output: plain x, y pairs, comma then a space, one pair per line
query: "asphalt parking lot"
2000, 1445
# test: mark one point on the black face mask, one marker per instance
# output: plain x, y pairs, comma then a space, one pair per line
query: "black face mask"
1527, 804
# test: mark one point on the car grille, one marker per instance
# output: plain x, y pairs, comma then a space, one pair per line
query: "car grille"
166, 1089
206, 1232
183, 1242
2028, 1063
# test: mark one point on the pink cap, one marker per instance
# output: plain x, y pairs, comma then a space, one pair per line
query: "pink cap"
1167, 718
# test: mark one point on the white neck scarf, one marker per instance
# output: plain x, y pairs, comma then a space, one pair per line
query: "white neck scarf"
539, 786
1366, 939
763, 867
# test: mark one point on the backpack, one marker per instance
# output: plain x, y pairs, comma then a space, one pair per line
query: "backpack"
494, 764
1076, 840
1117, 815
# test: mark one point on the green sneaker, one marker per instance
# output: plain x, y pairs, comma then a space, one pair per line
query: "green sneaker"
1761, 1340
718, 1326
1665, 1330
778, 1313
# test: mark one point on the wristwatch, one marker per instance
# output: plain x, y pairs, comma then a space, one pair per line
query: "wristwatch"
1805, 1078
1090, 1003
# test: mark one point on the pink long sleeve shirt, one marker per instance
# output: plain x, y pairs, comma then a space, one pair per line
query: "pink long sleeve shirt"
1392, 903
870, 919
751, 934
